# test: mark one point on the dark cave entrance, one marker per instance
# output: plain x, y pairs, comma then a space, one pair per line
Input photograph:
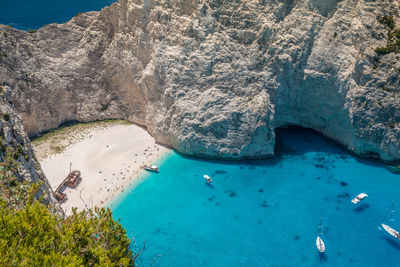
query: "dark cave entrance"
299, 140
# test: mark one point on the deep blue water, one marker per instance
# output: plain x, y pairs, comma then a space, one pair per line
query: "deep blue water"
25, 14
265, 212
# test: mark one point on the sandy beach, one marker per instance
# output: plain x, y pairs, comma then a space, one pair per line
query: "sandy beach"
108, 157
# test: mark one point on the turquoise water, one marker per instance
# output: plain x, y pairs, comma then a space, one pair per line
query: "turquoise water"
265, 212
25, 14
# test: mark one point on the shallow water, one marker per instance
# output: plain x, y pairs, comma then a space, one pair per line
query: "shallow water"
25, 14
265, 212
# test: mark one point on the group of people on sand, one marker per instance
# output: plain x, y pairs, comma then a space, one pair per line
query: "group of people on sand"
148, 152
117, 183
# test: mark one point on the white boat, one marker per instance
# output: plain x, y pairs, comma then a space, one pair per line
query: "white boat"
391, 231
208, 178
151, 168
319, 243
359, 197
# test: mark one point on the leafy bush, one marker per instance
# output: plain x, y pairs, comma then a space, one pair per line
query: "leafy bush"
386, 20
393, 39
30, 235
33, 236
385, 50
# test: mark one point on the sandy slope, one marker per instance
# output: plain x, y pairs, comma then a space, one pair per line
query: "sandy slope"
109, 159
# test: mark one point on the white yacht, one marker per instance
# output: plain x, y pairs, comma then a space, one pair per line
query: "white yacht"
359, 197
389, 229
319, 243
151, 168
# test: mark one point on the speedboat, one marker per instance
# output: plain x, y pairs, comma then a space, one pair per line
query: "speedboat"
359, 197
391, 231
151, 168
208, 178
320, 245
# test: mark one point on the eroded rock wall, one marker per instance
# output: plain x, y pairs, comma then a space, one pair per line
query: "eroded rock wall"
17, 157
215, 78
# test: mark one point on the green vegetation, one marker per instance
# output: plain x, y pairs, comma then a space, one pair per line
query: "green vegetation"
30, 235
68, 129
32, 30
386, 20
57, 149
57, 140
393, 39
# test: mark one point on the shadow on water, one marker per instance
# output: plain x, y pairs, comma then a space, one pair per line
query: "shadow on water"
392, 242
289, 141
361, 208
322, 257
298, 140
292, 140
209, 185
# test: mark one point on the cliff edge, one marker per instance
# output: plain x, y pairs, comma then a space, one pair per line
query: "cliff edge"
19, 167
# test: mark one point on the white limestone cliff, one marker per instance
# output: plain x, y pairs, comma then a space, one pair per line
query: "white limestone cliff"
215, 78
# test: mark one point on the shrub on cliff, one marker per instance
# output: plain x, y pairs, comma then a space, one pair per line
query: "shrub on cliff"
30, 235
386, 20
393, 38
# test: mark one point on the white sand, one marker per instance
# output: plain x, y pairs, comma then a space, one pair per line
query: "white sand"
109, 160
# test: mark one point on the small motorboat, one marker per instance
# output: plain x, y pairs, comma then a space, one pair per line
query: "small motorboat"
320, 245
359, 197
151, 168
208, 178
391, 231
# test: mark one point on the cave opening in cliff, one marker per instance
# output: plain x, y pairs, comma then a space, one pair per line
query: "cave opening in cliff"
299, 140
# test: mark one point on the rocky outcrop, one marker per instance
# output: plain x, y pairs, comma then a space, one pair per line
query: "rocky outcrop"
215, 78
18, 162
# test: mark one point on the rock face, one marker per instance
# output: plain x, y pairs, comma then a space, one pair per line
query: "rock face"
16, 153
215, 78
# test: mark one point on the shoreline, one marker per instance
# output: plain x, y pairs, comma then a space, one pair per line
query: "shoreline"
109, 159
136, 180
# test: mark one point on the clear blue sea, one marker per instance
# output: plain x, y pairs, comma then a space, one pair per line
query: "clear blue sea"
29, 14
265, 212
